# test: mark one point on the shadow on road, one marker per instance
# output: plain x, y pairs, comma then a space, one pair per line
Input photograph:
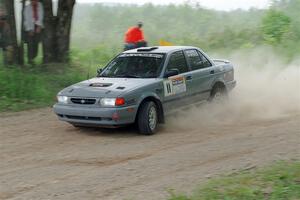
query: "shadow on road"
121, 132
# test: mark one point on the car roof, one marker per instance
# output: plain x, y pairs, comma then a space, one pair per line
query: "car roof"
159, 49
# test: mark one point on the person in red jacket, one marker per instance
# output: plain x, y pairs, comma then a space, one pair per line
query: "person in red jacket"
134, 37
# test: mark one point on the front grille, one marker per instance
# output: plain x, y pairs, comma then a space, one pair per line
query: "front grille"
83, 101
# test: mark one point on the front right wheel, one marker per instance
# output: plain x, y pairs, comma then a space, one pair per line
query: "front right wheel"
148, 118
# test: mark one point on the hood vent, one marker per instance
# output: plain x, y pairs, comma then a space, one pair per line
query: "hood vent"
100, 84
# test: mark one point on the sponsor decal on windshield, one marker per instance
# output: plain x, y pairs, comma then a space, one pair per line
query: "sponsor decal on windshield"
151, 55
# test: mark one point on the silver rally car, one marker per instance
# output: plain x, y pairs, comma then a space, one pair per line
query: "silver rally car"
142, 85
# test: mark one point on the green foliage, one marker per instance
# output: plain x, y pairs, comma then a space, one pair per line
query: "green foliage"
29, 88
37, 86
290, 46
180, 25
280, 181
275, 25
17, 88
187, 24
94, 57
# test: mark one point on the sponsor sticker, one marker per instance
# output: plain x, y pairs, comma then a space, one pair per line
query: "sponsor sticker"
151, 55
174, 85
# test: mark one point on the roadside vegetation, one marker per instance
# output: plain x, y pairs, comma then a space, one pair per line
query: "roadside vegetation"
98, 31
28, 87
190, 24
280, 181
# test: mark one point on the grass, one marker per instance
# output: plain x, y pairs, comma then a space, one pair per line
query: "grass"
280, 181
25, 88
36, 86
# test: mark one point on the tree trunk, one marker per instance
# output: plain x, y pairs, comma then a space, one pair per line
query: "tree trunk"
63, 31
21, 48
10, 10
57, 33
49, 40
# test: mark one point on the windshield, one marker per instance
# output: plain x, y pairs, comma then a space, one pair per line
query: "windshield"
135, 65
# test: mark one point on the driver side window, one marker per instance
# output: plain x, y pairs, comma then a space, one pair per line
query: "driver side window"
177, 61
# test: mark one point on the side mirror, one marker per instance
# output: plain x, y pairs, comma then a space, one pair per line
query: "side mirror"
99, 71
171, 72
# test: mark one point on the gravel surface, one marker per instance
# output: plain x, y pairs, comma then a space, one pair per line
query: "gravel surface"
42, 158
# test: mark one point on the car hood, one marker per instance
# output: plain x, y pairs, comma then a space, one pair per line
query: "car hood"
105, 87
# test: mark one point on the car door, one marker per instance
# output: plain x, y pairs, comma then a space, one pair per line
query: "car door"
202, 73
178, 87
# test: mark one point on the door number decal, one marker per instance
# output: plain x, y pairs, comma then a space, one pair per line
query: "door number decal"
168, 88
174, 85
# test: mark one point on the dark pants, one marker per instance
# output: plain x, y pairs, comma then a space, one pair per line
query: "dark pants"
7, 55
129, 46
4, 57
33, 45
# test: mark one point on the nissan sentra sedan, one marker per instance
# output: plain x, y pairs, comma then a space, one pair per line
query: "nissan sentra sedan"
141, 86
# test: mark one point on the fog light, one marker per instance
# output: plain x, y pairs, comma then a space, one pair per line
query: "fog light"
115, 116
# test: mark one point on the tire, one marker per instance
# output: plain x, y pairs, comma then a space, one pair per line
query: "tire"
147, 120
218, 95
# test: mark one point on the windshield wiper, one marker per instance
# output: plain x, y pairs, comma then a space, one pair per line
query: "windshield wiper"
99, 76
128, 76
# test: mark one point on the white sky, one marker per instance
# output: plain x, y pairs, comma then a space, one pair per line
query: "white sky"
214, 4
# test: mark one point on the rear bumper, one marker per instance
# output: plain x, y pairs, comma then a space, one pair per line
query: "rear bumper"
230, 85
93, 116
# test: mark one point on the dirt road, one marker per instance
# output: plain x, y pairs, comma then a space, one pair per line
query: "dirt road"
42, 158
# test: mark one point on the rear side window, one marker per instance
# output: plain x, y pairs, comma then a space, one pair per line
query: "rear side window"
205, 61
177, 61
196, 59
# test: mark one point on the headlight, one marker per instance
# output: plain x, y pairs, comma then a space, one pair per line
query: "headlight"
108, 102
112, 102
62, 99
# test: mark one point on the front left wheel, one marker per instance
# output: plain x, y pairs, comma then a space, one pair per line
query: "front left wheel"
148, 118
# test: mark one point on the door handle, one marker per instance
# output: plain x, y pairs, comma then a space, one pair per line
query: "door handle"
212, 72
188, 78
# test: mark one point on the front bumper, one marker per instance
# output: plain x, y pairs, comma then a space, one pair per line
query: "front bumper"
95, 116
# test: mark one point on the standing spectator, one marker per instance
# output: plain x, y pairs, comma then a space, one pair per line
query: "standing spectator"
134, 37
5, 39
33, 24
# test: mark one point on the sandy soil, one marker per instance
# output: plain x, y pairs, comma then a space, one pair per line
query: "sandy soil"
42, 158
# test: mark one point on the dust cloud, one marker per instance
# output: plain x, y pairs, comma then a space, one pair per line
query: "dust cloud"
267, 89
